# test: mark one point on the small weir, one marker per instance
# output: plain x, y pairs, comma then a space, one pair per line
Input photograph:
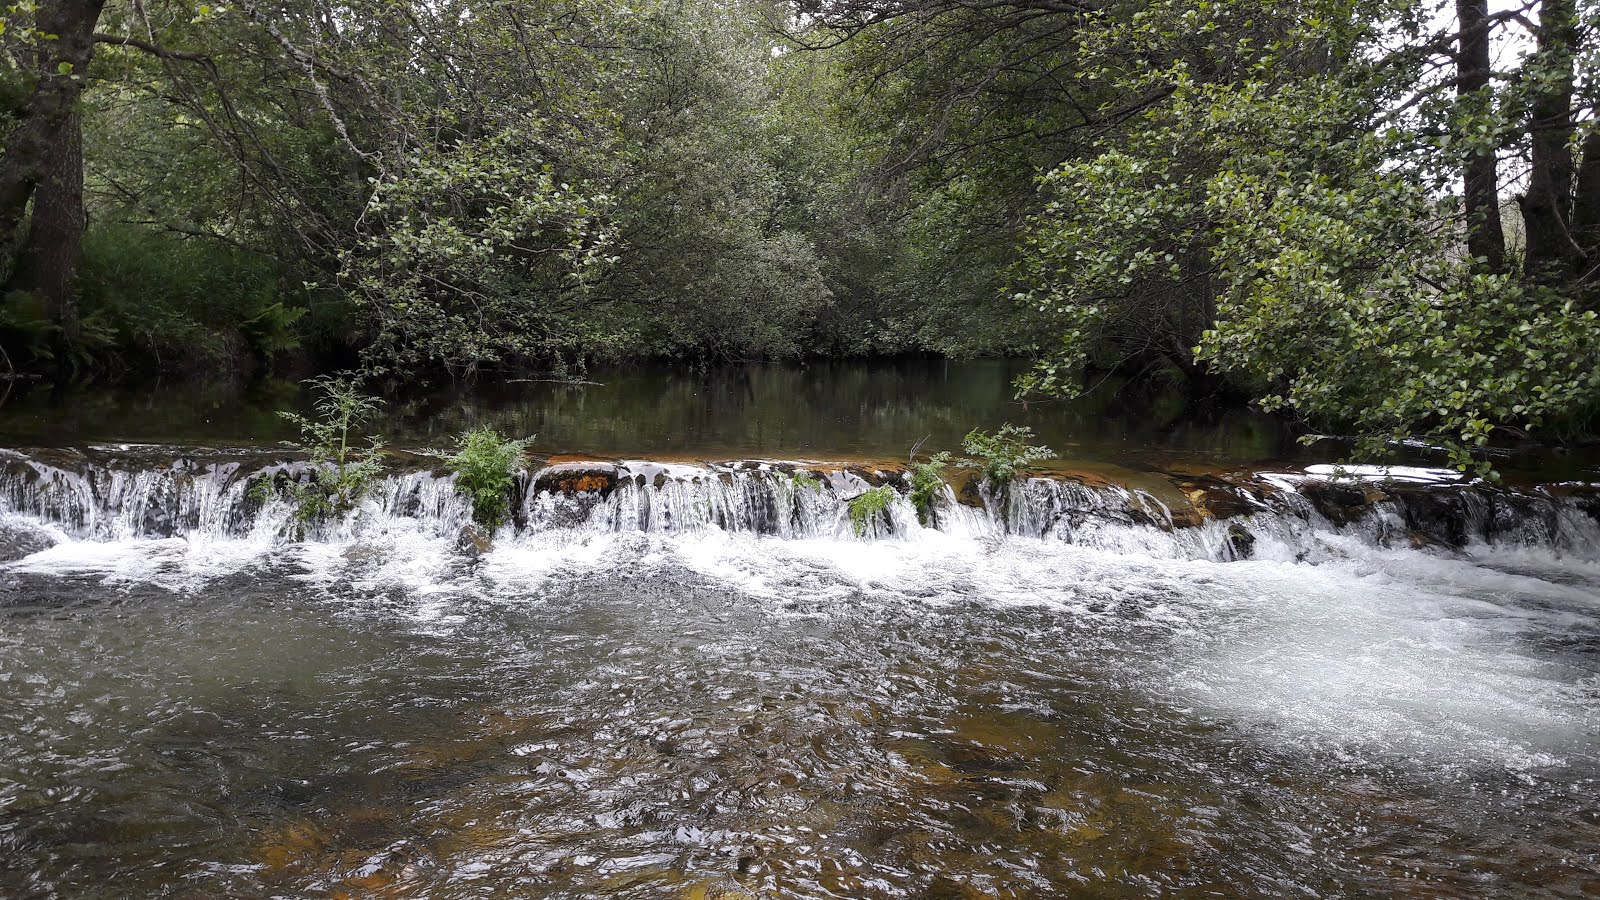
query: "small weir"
111, 494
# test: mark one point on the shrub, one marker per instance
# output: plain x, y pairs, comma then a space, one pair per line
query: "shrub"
180, 301
345, 472
1004, 455
926, 483
870, 506
485, 465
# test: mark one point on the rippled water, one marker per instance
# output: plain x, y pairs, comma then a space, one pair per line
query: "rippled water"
712, 714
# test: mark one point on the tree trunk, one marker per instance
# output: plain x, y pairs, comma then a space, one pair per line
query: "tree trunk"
1586, 205
48, 265
1547, 205
1480, 175
61, 65
42, 160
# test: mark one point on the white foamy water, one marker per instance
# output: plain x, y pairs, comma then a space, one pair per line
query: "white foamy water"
1385, 655
1337, 638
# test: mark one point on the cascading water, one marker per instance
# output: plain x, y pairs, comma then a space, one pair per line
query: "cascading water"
111, 496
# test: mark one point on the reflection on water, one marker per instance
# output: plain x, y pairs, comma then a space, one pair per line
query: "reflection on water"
819, 410
730, 716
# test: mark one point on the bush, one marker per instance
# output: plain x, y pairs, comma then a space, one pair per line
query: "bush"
1004, 455
485, 466
180, 301
926, 484
869, 507
345, 473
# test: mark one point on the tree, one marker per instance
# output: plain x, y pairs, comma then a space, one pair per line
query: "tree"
1480, 170
49, 47
1312, 199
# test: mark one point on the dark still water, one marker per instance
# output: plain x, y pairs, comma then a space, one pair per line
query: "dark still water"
831, 410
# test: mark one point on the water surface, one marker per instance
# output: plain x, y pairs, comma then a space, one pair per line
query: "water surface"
823, 410
708, 684
635, 715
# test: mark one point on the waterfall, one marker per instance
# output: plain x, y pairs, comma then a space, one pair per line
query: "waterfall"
122, 494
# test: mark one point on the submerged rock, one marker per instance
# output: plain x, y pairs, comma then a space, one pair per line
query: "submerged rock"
1240, 541
474, 541
16, 544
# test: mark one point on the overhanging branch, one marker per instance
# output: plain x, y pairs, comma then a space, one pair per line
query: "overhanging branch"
121, 40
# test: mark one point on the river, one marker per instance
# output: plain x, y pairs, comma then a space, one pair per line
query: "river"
691, 677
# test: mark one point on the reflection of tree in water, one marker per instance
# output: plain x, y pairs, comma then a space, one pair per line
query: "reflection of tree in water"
828, 408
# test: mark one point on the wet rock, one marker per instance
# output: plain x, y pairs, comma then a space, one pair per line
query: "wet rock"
1590, 506
1439, 517
474, 541
16, 544
1341, 502
1420, 541
1189, 515
1240, 541
874, 477
969, 492
576, 478
1214, 498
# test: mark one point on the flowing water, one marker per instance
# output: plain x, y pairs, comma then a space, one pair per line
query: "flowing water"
699, 680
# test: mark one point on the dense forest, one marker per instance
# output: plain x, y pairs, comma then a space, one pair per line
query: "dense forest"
1379, 216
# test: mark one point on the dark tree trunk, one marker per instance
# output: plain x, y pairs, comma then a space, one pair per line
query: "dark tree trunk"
43, 161
1547, 206
1486, 239
48, 265
1586, 205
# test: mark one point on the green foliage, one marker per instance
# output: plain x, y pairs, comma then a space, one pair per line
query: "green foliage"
717, 265
804, 481
345, 472
180, 301
1261, 189
501, 284
462, 187
485, 465
870, 508
1279, 221
927, 483
25, 319
1004, 455
939, 114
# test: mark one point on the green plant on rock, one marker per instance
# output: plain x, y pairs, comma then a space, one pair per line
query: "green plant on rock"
1004, 455
485, 465
869, 507
345, 472
804, 481
927, 482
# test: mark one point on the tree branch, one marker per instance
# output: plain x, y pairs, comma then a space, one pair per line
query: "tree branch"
152, 49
